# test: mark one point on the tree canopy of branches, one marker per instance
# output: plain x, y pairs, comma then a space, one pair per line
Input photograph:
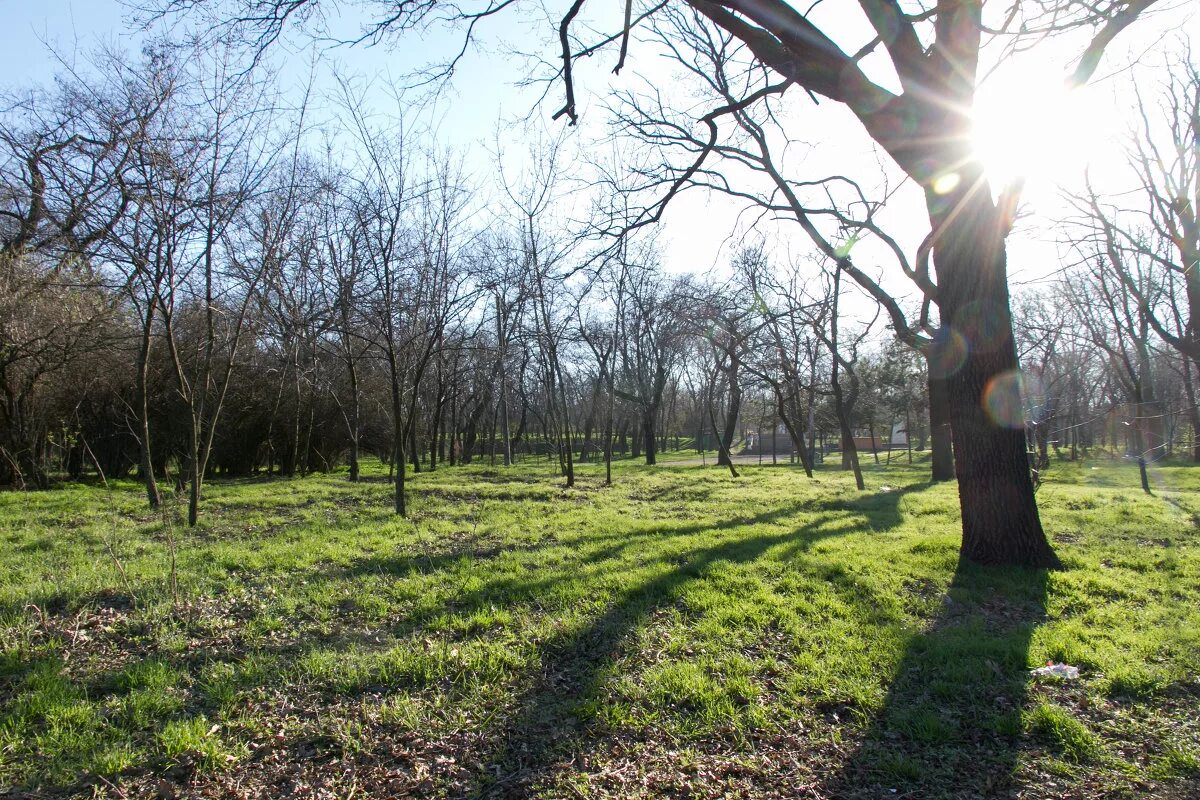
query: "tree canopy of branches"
233, 257
924, 127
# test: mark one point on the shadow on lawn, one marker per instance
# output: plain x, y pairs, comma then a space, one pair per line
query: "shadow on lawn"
590, 547
590, 552
1193, 516
950, 725
548, 725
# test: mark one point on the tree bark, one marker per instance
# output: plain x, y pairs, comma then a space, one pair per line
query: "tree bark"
608, 431
721, 450
435, 432
1193, 410
648, 438
501, 343
849, 449
194, 472
400, 501
999, 510
354, 422
796, 435
940, 436
414, 449
289, 468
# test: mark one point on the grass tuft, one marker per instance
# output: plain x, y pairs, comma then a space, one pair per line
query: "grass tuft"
1070, 737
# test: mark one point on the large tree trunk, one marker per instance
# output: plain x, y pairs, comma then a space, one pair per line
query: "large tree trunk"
999, 511
940, 436
1193, 410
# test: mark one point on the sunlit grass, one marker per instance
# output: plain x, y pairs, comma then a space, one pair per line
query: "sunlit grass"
678, 615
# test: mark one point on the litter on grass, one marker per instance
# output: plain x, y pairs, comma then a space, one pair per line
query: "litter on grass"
1065, 671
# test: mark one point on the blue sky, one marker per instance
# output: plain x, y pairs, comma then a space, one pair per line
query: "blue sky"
61, 23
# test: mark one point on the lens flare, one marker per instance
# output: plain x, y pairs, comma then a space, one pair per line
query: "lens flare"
1030, 125
1002, 399
983, 324
947, 353
946, 183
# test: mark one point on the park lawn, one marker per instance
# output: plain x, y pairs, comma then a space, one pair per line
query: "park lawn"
679, 633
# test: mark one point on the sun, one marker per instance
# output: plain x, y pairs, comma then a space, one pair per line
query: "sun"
1029, 126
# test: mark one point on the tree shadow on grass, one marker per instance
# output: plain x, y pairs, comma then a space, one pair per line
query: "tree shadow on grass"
592, 554
1193, 516
950, 725
550, 723
882, 510
588, 556
546, 725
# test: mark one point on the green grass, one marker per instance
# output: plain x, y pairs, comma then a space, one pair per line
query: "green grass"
760, 636
1067, 735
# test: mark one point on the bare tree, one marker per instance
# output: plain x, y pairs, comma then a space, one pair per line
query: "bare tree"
786, 346
544, 260
1154, 249
339, 281
1115, 323
215, 161
925, 128
750, 143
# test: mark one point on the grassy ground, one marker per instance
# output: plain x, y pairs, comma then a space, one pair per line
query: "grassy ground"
681, 633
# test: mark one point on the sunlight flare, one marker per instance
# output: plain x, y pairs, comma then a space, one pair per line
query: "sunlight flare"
1030, 126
